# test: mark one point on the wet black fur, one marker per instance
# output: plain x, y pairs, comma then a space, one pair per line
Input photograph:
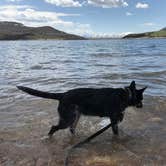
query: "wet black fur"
104, 102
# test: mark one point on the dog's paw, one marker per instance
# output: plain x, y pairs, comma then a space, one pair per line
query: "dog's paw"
46, 139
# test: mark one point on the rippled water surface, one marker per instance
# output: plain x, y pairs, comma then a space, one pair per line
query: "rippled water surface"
62, 65
58, 66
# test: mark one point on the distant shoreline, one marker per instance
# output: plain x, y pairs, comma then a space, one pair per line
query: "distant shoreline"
155, 34
42, 39
18, 31
92, 39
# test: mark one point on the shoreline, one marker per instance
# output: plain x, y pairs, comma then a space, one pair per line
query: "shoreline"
141, 139
91, 39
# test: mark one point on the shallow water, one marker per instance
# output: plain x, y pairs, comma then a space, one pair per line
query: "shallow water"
61, 65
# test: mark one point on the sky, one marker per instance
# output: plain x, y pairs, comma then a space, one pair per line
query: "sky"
96, 18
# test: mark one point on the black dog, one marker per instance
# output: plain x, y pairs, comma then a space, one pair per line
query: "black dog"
104, 102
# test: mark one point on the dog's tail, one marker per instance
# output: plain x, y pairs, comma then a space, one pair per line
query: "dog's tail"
38, 93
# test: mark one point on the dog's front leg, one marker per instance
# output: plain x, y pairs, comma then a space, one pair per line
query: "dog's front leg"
121, 116
114, 122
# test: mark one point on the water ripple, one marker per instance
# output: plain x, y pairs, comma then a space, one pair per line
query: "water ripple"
61, 65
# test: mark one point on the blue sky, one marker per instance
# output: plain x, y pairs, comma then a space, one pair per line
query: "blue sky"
88, 17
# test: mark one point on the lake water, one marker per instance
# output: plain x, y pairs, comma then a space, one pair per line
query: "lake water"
57, 66
61, 65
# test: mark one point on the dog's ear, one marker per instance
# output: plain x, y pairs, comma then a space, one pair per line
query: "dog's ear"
132, 85
143, 89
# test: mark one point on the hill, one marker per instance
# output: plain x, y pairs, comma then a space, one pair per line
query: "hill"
155, 34
17, 31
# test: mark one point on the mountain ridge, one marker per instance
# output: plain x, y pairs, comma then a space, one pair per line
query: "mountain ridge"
18, 31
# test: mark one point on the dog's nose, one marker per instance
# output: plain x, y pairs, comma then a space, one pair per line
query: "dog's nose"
139, 105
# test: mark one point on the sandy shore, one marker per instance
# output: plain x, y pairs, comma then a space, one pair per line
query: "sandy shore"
24, 125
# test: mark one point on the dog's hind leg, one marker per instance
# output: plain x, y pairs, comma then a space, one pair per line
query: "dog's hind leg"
74, 124
67, 117
62, 125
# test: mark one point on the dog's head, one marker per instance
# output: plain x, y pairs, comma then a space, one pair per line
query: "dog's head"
135, 95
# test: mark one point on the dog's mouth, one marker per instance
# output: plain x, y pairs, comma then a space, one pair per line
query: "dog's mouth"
139, 105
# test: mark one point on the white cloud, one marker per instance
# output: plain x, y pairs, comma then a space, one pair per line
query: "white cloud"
148, 24
14, 7
64, 3
109, 35
80, 29
13, 0
29, 16
129, 14
142, 5
108, 3
99, 3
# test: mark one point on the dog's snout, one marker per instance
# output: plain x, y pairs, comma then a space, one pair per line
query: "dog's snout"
139, 105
